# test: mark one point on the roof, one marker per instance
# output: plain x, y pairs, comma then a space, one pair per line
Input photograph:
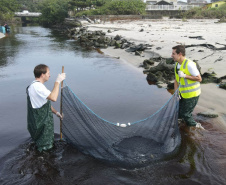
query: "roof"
163, 3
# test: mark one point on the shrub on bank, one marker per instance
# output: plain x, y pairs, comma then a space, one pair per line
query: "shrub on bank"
201, 13
53, 11
118, 7
7, 9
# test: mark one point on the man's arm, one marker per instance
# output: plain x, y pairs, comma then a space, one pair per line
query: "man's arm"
57, 113
53, 110
54, 94
194, 78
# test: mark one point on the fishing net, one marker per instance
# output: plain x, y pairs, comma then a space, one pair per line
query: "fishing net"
144, 141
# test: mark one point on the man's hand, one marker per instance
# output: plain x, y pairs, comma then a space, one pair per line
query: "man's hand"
181, 74
59, 115
61, 77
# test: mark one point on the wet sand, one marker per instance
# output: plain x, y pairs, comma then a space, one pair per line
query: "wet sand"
163, 35
2, 35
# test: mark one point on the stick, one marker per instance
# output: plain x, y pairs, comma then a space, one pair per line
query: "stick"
61, 105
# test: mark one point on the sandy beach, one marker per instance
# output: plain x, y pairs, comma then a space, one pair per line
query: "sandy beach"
163, 35
1, 35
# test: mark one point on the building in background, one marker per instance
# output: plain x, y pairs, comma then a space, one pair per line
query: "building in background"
215, 4
160, 2
175, 2
181, 3
197, 2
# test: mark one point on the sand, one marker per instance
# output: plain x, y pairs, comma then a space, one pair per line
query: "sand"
1, 35
166, 33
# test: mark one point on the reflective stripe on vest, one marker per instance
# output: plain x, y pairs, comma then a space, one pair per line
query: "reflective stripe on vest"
188, 88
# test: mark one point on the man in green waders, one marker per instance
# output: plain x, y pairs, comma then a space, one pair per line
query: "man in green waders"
189, 78
40, 112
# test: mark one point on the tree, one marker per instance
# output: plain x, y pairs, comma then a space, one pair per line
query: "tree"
31, 5
53, 11
125, 7
117, 7
7, 9
83, 4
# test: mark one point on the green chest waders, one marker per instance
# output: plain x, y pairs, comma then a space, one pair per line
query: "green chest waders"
40, 124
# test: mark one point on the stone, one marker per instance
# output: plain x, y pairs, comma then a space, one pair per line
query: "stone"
138, 53
208, 114
210, 78
222, 85
117, 37
170, 85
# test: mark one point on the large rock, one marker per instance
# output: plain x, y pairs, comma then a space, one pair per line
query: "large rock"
210, 78
162, 72
223, 85
72, 23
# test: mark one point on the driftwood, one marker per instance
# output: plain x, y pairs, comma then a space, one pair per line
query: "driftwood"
209, 46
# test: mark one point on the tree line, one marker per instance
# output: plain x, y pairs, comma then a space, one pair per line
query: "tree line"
55, 11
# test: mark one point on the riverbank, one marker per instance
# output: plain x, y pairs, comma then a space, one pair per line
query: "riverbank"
163, 35
2, 35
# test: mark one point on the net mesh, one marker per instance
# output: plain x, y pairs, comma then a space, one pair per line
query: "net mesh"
140, 142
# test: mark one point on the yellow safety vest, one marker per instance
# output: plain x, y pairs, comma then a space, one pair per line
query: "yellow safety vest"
188, 88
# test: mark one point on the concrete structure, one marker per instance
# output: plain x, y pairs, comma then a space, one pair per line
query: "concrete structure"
26, 13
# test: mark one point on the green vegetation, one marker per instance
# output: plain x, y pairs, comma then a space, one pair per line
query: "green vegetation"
31, 5
77, 5
117, 7
202, 13
7, 9
53, 11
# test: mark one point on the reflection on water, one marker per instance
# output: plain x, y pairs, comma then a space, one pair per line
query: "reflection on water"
195, 163
112, 89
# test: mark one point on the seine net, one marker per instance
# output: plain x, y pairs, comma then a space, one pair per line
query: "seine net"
144, 141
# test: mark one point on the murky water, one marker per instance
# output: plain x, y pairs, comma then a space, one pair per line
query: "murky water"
114, 90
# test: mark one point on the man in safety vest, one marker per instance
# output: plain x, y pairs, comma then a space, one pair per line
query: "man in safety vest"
39, 114
187, 78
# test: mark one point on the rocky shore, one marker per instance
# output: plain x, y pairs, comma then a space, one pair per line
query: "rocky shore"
147, 45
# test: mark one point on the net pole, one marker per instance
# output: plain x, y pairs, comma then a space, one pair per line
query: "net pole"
61, 105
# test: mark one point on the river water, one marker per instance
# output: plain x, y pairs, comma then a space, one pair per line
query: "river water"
114, 90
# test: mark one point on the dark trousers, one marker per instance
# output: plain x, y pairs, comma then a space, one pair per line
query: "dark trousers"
186, 107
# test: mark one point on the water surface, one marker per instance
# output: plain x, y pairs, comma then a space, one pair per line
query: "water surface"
116, 91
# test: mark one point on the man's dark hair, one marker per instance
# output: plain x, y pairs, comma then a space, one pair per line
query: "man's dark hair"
179, 49
40, 69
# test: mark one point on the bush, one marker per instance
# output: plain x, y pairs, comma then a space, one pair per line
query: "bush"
7, 9
212, 13
118, 7
53, 11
